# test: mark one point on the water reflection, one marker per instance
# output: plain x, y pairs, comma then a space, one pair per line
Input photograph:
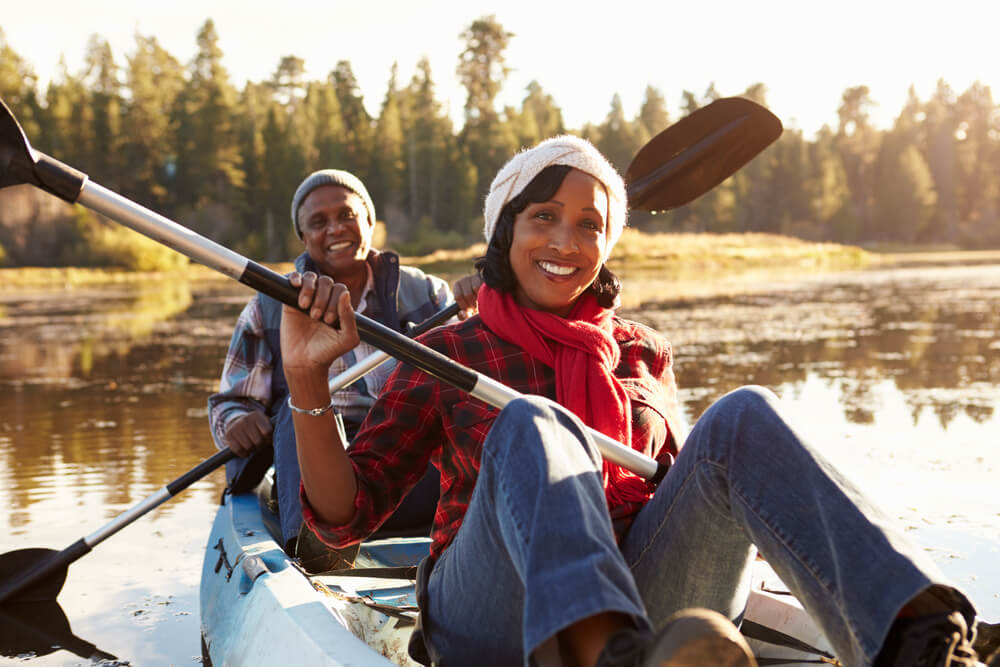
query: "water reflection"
102, 401
935, 333
63, 335
103, 392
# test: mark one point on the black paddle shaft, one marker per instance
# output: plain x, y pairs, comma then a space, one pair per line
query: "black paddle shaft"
377, 335
700, 139
38, 574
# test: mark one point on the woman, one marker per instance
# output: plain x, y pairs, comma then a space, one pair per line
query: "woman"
540, 549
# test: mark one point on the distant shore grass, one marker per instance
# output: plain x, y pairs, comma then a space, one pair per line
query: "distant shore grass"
712, 254
683, 252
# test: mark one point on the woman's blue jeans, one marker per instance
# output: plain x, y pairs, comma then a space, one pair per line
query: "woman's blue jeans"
536, 551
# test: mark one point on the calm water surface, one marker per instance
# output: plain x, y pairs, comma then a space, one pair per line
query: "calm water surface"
103, 390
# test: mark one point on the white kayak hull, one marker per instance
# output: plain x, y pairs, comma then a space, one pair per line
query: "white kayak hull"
259, 608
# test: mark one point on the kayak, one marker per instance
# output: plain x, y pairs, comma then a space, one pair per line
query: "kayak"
260, 607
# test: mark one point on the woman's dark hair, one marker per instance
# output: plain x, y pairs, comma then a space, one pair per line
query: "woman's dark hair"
494, 267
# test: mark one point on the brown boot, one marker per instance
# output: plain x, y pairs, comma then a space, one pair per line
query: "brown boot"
691, 638
934, 640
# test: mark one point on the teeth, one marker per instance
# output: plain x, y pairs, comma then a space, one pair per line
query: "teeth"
338, 246
557, 269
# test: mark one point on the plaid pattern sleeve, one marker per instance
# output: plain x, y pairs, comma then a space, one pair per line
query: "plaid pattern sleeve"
418, 419
646, 371
246, 374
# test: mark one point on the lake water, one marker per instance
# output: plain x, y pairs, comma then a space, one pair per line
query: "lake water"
103, 393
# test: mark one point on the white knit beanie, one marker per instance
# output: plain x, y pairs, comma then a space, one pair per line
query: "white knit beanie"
566, 150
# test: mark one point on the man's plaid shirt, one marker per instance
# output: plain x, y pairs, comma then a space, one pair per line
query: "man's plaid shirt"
418, 419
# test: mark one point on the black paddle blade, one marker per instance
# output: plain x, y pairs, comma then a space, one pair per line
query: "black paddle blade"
20, 164
14, 565
15, 151
698, 152
39, 628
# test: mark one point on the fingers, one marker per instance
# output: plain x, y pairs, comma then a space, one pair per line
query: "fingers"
260, 424
321, 300
348, 324
466, 291
318, 295
307, 344
248, 432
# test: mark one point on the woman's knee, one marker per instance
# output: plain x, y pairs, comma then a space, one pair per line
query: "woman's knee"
749, 398
529, 421
527, 408
742, 410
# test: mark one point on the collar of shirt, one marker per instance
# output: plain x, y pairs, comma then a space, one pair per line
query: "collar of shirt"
368, 290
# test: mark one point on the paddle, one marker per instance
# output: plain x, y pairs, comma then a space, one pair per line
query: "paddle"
38, 574
684, 149
698, 152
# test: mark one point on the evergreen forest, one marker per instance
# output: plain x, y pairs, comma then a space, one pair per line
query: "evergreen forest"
185, 141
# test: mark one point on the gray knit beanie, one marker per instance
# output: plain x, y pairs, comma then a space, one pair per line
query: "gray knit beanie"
339, 177
566, 150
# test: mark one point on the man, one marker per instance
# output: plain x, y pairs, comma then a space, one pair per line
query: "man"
334, 217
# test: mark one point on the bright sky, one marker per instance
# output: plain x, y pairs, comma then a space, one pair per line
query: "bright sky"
806, 53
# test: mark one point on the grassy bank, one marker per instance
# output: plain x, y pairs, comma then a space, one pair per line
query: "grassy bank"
711, 253
71, 277
708, 254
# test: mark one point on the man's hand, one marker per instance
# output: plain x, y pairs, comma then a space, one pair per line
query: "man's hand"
248, 432
466, 291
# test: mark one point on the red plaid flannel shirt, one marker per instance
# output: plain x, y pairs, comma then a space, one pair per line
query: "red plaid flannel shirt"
418, 419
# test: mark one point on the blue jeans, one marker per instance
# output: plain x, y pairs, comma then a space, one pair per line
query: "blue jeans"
536, 551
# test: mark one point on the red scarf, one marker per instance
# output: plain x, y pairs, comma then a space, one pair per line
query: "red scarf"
583, 352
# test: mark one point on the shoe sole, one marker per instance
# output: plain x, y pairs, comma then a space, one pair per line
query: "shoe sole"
701, 638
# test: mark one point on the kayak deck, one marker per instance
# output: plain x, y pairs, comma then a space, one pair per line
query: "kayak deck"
258, 607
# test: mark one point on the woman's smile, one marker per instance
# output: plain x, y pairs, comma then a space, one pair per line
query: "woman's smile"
558, 270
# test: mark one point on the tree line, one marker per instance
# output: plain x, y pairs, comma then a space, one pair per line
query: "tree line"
182, 139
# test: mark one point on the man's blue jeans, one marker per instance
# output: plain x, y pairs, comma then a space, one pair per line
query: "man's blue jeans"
536, 551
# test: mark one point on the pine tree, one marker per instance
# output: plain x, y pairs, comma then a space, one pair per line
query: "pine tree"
482, 70
388, 168
827, 191
210, 177
155, 80
653, 115
101, 79
904, 193
328, 125
857, 142
430, 147
619, 139
356, 120
18, 87
255, 234
939, 129
978, 165
541, 117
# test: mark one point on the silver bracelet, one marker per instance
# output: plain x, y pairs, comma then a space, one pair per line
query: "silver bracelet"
314, 412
